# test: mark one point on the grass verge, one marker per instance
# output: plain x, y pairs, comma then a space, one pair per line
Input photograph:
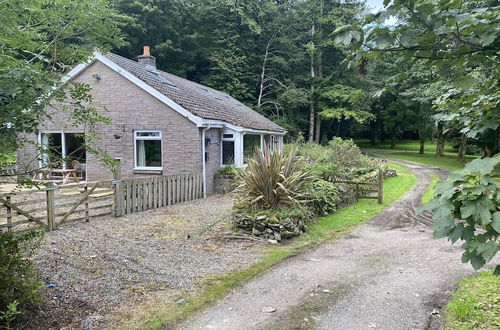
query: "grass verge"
476, 303
429, 192
325, 228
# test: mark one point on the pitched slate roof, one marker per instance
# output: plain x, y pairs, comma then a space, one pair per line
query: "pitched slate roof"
200, 100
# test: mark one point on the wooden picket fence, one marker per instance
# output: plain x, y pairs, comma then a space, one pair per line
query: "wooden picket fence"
376, 187
136, 195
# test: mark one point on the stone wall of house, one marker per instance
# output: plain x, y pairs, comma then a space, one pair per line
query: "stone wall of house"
130, 108
212, 147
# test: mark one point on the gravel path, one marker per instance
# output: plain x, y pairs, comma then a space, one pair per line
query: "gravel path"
388, 274
111, 263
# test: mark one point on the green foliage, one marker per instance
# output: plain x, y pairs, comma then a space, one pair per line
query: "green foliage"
425, 32
40, 41
466, 208
227, 171
343, 160
271, 179
475, 303
19, 283
323, 196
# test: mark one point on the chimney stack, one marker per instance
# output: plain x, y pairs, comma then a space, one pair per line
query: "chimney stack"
146, 59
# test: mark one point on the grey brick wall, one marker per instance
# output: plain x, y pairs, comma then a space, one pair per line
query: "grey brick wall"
130, 108
213, 150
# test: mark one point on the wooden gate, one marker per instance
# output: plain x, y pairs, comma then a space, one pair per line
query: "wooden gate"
53, 206
376, 187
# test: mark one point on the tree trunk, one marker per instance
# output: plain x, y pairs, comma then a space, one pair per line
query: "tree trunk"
312, 110
462, 149
393, 140
421, 141
263, 73
317, 129
441, 141
319, 59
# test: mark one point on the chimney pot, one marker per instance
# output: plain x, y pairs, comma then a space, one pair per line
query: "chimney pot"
147, 59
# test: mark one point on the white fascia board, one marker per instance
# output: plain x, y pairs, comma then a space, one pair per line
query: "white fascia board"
78, 69
115, 67
250, 130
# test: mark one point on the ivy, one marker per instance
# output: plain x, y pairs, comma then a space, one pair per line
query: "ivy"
466, 207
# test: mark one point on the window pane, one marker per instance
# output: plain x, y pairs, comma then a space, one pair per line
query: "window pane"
75, 149
228, 152
148, 153
227, 136
250, 142
52, 150
147, 134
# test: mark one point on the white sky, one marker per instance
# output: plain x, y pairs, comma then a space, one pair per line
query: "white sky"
375, 5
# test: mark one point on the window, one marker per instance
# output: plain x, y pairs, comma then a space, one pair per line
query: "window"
61, 150
227, 149
250, 142
148, 150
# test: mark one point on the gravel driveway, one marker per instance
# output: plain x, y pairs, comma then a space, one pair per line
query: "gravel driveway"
388, 274
94, 269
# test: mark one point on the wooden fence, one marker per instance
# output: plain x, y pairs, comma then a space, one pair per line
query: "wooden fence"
376, 187
53, 206
136, 195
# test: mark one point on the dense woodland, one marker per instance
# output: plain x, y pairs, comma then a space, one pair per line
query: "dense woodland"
280, 57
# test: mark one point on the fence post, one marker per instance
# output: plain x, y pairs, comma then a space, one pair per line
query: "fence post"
9, 212
117, 180
380, 186
86, 205
51, 211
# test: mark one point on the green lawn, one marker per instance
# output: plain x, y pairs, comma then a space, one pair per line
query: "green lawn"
324, 229
476, 303
408, 150
407, 145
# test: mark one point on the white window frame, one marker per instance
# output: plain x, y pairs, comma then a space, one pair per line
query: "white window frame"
149, 138
223, 139
63, 146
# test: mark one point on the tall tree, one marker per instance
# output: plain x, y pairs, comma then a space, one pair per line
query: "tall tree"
40, 40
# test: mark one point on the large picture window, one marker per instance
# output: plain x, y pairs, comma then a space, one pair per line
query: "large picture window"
250, 142
61, 150
148, 150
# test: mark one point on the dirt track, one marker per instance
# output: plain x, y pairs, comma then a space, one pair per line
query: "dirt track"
388, 274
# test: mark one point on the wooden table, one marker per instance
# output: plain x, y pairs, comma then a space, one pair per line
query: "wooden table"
63, 176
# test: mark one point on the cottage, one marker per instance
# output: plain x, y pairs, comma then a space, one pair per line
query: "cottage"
161, 124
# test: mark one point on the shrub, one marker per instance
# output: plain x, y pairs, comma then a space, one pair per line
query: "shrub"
227, 171
19, 283
324, 197
340, 159
271, 180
